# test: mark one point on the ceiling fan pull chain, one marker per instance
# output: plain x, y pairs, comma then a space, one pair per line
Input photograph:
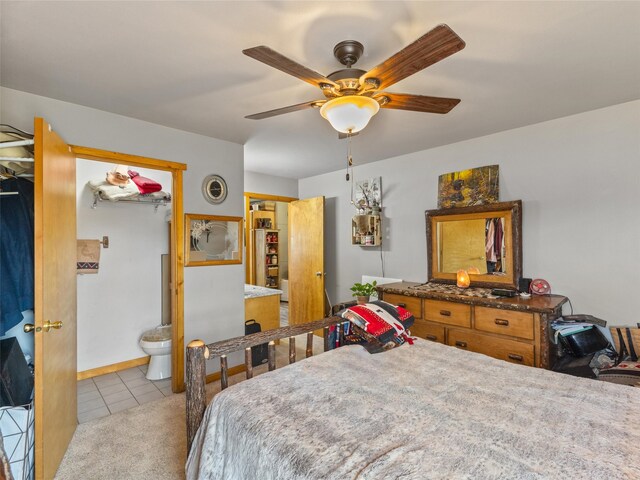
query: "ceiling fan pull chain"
350, 164
349, 159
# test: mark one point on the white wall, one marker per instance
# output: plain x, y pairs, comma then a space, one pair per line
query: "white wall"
577, 177
270, 185
214, 296
124, 298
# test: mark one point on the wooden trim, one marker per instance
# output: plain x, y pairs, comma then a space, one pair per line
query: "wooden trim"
215, 376
188, 217
176, 247
264, 196
511, 211
114, 367
38, 319
248, 241
177, 281
126, 159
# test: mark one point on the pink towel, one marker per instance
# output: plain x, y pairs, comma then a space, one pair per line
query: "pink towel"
145, 185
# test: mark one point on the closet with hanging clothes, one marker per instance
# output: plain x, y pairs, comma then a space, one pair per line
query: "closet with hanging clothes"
16, 297
16, 233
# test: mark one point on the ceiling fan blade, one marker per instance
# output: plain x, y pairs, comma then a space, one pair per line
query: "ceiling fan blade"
276, 60
342, 136
432, 47
290, 108
418, 103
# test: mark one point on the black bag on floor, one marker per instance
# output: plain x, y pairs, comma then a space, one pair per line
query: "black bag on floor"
578, 367
259, 353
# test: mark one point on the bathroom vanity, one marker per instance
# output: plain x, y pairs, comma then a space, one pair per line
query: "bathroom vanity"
263, 305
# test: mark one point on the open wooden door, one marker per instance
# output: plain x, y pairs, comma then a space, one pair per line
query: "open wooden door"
306, 260
55, 298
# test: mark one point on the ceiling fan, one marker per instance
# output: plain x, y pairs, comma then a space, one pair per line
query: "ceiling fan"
353, 96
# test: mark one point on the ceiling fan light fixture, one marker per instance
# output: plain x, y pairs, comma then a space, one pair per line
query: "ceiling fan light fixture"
349, 114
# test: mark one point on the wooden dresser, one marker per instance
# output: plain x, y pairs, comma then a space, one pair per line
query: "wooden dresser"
511, 329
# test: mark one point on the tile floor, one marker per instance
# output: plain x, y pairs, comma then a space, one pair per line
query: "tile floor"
114, 392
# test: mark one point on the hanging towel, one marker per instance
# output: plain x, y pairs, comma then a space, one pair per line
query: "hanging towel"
88, 256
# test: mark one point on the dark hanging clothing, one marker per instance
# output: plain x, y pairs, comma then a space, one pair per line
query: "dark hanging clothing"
498, 245
16, 252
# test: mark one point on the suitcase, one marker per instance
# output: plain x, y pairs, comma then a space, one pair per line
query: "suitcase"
259, 353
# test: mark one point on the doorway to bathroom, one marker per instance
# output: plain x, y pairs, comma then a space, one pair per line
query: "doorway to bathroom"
135, 249
266, 253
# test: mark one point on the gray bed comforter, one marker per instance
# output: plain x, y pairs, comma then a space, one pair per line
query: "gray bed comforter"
419, 411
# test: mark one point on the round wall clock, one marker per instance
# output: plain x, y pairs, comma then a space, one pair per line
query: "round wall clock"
214, 189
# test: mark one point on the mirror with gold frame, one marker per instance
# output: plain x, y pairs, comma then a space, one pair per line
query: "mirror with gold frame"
213, 240
483, 238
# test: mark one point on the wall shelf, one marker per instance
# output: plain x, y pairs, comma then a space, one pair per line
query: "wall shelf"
266, 251
366, 231
157, 202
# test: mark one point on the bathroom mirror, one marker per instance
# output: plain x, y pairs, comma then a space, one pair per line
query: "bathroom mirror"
213, 240
486, 239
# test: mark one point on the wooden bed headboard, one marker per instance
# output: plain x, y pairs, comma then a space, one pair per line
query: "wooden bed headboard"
198, 353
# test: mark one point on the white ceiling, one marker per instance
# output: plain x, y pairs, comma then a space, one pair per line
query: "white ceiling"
180, 64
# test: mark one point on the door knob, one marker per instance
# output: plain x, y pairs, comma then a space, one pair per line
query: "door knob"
318, 274
29, 327
49, 325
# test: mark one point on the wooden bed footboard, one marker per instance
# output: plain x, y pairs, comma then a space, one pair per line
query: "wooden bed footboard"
198, 353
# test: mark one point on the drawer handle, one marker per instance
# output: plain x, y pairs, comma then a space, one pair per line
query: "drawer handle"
433, 338
461, 344
513, 356
445, 313
403, 305
500, 321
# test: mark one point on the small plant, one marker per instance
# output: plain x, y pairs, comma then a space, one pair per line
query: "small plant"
364, 289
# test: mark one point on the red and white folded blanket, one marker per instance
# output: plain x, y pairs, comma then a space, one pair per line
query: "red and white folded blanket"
145, 185
387, 323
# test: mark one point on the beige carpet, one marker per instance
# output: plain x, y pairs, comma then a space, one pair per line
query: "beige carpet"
145, 442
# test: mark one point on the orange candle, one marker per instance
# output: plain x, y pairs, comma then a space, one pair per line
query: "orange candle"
463, 280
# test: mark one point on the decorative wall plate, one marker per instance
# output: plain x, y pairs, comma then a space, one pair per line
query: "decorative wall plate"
214, 189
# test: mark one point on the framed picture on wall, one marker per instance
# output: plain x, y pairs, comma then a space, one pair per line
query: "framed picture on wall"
213, 240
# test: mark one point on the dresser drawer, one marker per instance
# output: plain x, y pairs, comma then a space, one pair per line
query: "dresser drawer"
502, 348
428, 331
413, 304
447, 312
506, 322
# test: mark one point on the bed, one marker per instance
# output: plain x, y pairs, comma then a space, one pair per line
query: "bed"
418, 411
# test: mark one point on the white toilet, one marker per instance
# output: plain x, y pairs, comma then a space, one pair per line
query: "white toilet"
157, 343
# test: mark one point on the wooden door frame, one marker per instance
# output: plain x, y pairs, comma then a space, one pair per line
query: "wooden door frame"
176, 244
247, 226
